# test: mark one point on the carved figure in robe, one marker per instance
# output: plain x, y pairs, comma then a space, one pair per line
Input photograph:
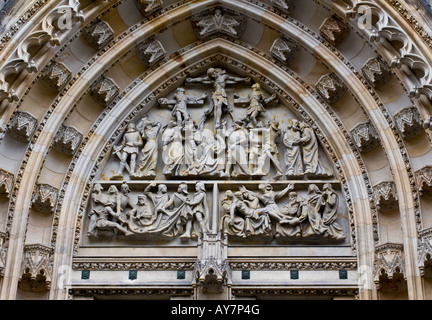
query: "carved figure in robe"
97, 204
219, 79
172, 149
255, 150
290, 226
270, 152
268, 197
231, 224
310, 148
149, 154
293, 155
256, 105
128, 150
311, 211
124, 201
142, 213
237, 158
108, 218
181, 213
198, 209
207, 161
329, 213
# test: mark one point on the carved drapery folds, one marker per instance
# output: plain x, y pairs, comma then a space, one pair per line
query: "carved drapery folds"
45, 198
389, 266
365, 137
424, 180
408, 123
425, 253
22, 126
151, 51
331, 88
147, 7
67, 140
286, 6
219, 21
36, 268
104, 90
6, 182
212, 270
57, 75
376, 72
285, 50
99, 34
334, 30
386, 196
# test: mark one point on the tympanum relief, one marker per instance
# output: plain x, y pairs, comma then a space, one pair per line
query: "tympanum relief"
218, 154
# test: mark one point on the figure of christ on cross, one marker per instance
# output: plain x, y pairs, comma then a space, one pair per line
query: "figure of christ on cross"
219, 79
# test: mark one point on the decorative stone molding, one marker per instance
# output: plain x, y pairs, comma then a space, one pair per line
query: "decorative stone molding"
147, 7
67, 140
99, 34
408, 123
93, 265
286, 6
285, 50
126, 292
424, 180
104, 91
389, 266
217, 21
334, 30
365, 137
376, 72
3, 252
6, 182
331, 88
57, 75
22, 126
386, 196
294, 265
212, 270
151, 52
44, 198
36, 268
424, 250
253, 292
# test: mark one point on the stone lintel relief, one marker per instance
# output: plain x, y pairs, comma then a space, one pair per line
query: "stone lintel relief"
218, 135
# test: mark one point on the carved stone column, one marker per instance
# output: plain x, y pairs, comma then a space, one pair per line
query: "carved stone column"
389, 266
36, 268
212, 274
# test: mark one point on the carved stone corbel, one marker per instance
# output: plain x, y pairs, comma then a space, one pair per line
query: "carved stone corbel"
104, 91
36, 268
57, 75
151, 52
389, 266
334, 30
424, 250
6, 182
284, 50
386, 196
286, 6
376, 72
408, 122
45, 198
147, 7
424, 180
99, 34
331, 88
212, 270
365, 137
221, 21
67, 140
22, 126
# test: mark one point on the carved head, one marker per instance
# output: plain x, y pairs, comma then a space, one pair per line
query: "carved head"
97, 187
162, 188
113, 189
183, 188
200, 186
142, 199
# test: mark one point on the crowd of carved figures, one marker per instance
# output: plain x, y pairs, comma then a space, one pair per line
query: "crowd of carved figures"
247, 147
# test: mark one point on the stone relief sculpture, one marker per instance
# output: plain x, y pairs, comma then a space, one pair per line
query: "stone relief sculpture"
247, 146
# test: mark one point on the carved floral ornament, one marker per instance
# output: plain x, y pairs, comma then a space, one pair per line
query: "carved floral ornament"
209, 134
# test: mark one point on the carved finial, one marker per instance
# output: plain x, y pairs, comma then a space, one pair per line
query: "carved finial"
99, 34
36, 268
23, 126
334, 30
365, 137
45, 198
104, 90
